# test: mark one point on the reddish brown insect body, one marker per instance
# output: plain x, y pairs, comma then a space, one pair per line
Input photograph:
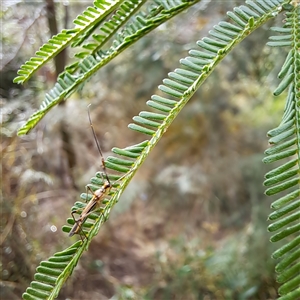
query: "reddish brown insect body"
97, 198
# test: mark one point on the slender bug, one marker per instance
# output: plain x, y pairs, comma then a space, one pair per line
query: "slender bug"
98, 195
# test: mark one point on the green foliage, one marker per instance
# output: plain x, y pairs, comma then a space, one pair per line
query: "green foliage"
285, 143
127, 26
91, 17
190, 268
97, 57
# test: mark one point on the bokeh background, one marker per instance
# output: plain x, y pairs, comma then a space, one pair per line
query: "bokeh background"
192, 223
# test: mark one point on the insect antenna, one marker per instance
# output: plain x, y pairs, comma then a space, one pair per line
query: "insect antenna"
98, 146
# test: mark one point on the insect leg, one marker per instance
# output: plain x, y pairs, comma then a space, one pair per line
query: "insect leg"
77, 225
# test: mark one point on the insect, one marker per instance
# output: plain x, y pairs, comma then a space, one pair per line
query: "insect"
98, 195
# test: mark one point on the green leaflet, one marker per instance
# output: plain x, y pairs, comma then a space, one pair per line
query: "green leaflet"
285, 179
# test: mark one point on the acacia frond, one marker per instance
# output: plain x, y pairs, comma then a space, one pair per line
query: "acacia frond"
90, 17
108, 29
178, 88
285, 179
68, 82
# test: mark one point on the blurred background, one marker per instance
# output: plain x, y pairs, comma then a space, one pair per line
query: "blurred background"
192, 223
